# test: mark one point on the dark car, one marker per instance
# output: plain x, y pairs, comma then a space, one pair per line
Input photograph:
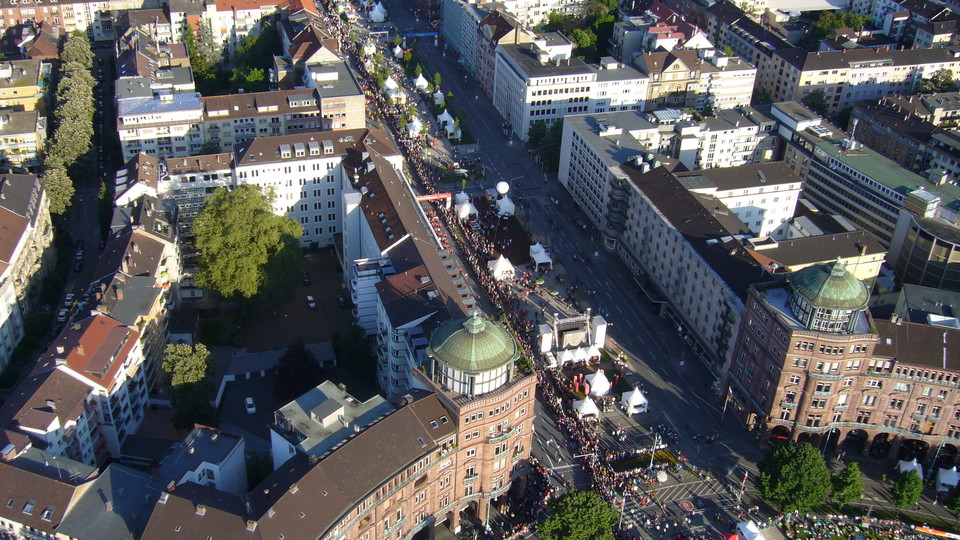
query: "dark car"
77, 266
306, 280
79, 246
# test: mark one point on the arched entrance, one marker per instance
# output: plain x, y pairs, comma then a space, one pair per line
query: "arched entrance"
812, 438
856, 441
946, 456
779, 434
830, 441
913, 449
880, 447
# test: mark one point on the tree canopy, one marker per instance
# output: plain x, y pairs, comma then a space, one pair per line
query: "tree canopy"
847, 486
59, 188
245, 249
794, 477
834, 20
545, 140
77, 49
941, 81
817, 102
590, 30
188, 370
906, 489
579, 515
297, 372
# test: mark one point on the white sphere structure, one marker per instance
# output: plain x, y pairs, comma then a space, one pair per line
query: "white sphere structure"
503, 187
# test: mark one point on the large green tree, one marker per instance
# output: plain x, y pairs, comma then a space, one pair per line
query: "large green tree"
942, 80
847, 486
59, 187
834, 20
297, 372
794, 477
188, 371
817, 102
245, 249
578, 515
906, 489
77, 49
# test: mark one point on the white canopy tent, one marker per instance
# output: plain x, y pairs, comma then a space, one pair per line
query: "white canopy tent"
906, 466
414, 127
540, 256
505, 207
445, 118
634, 402
369, 48
391, 84
566, 356
461, 198
438, 98
947, 479
593, 352
378, 14
398, 52
421, 82
599, 385
501, 268
586, 407
466, 210
748, 530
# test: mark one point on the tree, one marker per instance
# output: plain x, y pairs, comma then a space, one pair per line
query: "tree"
941, 81
536, 134
77, 49
847, 486
353, 350
297, 372
794, 477
245, 249
579, 515
906, 489
188, 370
834, 20
816, 101
59, 188
953, 500
728, 51
436, 80
209, 147
585, 40
259, 466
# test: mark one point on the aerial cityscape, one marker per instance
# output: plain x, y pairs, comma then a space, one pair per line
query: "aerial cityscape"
458, 269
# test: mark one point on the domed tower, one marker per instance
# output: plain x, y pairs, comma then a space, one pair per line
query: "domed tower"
472, 356
827, 298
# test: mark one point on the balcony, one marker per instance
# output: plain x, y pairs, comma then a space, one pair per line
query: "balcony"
501, 453
825, 376
819, 393
841, 407
471, 478
494, 439
788, 404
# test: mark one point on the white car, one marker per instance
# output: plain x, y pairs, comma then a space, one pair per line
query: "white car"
250, 406
311, 303
68, 299
62, 315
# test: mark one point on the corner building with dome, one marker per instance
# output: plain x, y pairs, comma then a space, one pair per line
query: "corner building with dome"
472, 367
811, 364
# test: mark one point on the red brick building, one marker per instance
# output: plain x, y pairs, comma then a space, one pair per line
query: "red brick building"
810, 363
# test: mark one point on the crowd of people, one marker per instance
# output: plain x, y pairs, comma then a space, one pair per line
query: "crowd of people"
817, 526
476, 246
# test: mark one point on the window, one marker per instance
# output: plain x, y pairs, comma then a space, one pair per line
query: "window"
873, 383
794, 379
870, 400
818, 403
901, 387
472, 453
824, 387
863, 417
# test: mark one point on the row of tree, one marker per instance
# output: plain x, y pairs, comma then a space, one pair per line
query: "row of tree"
545, 142
71, 147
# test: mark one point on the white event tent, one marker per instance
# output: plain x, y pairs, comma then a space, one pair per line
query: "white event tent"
505, 207
501, 268
586, 407
540, 256
599, 384
947, 479
634, 402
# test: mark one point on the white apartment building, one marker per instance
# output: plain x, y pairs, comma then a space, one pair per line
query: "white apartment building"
696, 79
542, 81
233, 20
168, 125
11, 319
854, 75
730, 138
22, 134
764, 196
94, 18
306, 175
106, 356
459, 28
531, 13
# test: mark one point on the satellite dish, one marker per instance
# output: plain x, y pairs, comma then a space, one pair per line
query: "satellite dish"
503, 187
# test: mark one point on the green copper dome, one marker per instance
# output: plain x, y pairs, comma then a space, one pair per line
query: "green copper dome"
473, 345
830, 286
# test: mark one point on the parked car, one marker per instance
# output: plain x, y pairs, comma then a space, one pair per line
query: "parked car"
306, 280
68, 299
311, 303
77, 266
78, 256
250, 405
62, 315
79, 246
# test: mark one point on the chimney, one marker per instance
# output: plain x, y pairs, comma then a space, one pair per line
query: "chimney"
863, 249
201, 509
119, 294
80, 349
52, 405
108, 504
